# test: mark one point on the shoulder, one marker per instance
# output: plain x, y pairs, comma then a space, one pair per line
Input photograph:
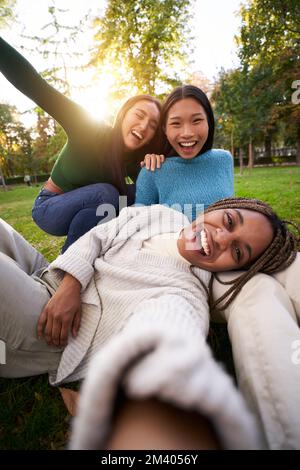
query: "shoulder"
145, 176
219, 153
216, 158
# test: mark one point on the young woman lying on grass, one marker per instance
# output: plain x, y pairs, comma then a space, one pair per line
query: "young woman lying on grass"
265, 316
135, 291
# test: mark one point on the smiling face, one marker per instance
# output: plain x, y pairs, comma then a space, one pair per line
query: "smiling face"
228, 239
139, 124
187, 127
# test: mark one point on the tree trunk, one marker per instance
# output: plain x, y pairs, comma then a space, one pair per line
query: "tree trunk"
268, 145
2, 180
250, 154
10, 167
241, 162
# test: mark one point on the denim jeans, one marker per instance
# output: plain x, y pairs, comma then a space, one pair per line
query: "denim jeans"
75, 212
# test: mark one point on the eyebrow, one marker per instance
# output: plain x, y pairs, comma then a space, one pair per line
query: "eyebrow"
145, 114
241, 219
193, 115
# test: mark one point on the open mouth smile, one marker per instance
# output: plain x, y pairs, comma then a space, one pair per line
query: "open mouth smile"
137, 134
203, 243
187, 145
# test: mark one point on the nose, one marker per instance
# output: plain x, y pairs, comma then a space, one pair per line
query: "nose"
222, 239
187, 131
144, 124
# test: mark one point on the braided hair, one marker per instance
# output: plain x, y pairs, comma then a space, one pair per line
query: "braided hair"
279, 255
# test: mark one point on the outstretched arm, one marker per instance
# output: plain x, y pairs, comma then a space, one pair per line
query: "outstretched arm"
26, 79
153, 424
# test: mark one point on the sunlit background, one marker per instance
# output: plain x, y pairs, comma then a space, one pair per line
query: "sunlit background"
214, 25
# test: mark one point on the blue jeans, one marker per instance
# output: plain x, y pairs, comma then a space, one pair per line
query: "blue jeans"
74, 213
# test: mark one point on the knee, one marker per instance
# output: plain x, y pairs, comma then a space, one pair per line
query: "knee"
109, 194
101, 193
45, 219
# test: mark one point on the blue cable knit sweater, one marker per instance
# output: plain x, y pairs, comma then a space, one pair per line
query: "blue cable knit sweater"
187, 185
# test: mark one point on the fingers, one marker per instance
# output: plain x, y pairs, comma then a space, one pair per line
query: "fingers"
155, 162
48, 330
76, 323
54, 330
147, 161
41, 323
64, 333
152, 161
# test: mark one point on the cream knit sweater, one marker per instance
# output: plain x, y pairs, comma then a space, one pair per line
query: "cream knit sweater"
149, 309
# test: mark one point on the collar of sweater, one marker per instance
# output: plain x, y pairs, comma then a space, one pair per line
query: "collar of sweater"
165, 244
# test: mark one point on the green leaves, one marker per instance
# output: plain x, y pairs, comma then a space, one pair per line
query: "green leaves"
6, 13
143, 38
255, 100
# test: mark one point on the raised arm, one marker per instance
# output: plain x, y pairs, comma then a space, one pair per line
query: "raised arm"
25, 78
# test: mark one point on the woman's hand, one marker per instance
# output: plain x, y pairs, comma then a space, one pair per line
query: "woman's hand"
62, 313
152, 161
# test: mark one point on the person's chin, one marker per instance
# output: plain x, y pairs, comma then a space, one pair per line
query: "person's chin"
132, 146
186, 155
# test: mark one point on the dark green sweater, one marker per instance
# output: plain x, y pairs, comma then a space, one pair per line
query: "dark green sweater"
83, 159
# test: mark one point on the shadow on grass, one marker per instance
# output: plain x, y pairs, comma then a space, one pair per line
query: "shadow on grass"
219, 342
32, 415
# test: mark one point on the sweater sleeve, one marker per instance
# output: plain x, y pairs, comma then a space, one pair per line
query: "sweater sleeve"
161, 353
26, 79
79, 259
146, 189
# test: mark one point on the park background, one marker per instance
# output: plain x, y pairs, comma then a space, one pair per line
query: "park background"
245, 55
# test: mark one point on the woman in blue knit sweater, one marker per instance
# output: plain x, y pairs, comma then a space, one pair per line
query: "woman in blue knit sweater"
263, 319
186, 177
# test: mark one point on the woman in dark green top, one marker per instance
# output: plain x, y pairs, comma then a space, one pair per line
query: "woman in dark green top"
89, 173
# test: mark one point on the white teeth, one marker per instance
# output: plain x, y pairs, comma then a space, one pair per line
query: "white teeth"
137, 134
187, 144
204, 242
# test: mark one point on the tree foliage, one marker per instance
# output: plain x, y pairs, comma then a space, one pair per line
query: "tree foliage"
27, 150
270, 40
145, 39
59, 43
269, 28
15, 143
33, 150
6, 12
253, 102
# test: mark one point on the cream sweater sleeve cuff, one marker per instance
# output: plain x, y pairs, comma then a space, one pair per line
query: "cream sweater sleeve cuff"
78, 267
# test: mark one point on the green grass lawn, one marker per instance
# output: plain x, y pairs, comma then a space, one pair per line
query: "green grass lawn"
32, 414
278, 186
15, 208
